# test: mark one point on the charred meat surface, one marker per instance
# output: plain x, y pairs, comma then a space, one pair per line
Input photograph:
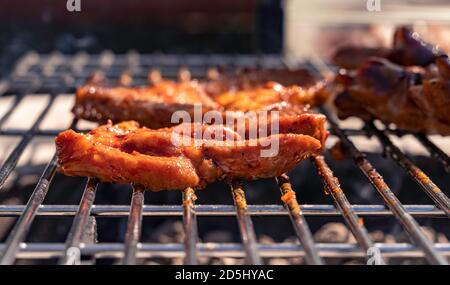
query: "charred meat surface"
164, 159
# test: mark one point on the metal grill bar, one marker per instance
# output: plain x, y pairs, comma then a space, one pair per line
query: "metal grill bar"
12, 159
190, 226
435, 151
353, 221
222, 210
134, 226
298, 221
29, 212
11, 109
44, 133
81, 220
23, 225
408, 222
245, 224
176, 250
416, 173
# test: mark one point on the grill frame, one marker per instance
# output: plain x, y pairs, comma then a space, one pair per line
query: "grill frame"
47, 79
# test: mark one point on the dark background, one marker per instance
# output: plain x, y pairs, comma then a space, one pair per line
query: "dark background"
171, 26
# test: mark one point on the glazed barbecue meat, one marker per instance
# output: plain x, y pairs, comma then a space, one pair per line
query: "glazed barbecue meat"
433, 96
127, 153
153, 106
443, 64
408, 84
256, 89
271, 93
351, 57
383, 90
408, 50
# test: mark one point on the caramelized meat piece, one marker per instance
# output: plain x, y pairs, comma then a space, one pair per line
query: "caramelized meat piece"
348, 107
270, 94
152, 106
161, 159
410, 87
385, 91
408, 50
433, 96
351, 57
255, 89
443, 64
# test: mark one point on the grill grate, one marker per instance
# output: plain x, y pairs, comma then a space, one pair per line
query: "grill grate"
408, 222
57, 74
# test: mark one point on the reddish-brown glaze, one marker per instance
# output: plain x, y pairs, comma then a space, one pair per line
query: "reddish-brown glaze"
154, 106
151, 106
386, 91
126, 153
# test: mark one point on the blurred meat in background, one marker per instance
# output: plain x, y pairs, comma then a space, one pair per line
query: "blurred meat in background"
317, 28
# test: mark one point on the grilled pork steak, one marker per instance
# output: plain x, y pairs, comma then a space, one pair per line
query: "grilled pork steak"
127, 153
153, 106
